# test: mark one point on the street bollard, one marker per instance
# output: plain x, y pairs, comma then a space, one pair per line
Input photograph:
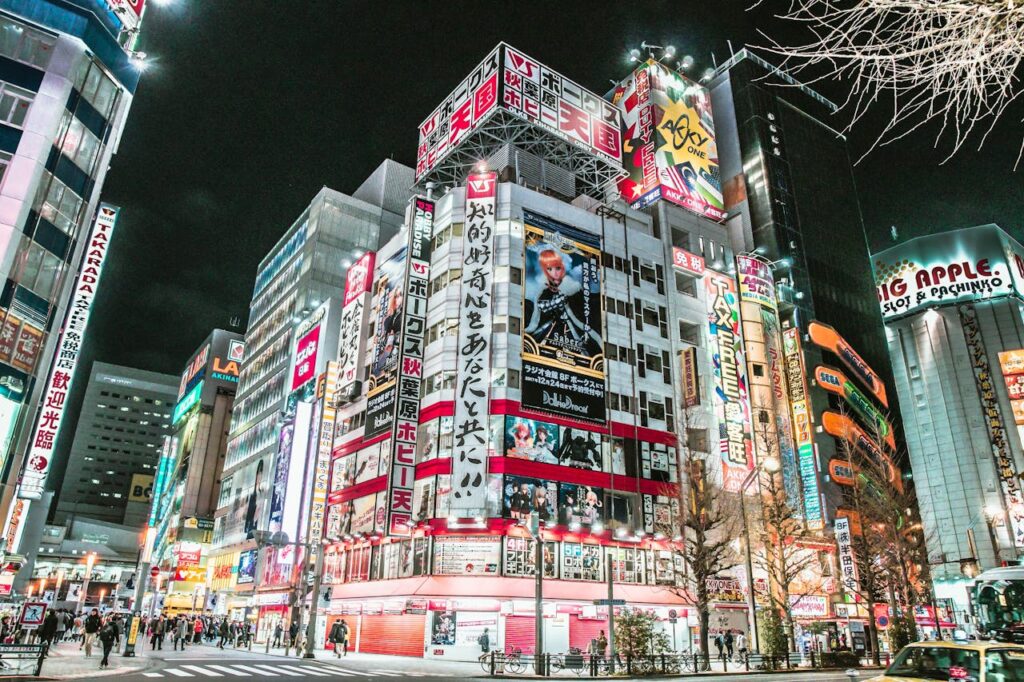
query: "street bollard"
852, 674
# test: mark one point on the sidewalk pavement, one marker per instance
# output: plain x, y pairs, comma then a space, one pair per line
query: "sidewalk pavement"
67, 661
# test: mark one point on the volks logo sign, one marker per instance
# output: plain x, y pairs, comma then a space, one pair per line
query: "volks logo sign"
480, 186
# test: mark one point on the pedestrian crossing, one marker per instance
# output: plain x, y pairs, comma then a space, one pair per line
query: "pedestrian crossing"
278, 670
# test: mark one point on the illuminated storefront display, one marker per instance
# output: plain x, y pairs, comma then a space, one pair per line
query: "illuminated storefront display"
352, 342
669, 147
731, 398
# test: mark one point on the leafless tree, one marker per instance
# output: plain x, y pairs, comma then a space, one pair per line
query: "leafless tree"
953, 62
709, 522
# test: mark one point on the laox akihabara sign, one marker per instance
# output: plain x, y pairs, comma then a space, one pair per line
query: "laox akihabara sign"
975, 263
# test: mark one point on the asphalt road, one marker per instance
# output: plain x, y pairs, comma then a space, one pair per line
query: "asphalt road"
203, 663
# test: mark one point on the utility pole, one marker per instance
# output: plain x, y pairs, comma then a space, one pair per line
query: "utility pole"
314, 607
538, 593
611, 613
751, 603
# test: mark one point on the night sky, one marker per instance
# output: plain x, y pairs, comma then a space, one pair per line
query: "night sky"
249, 107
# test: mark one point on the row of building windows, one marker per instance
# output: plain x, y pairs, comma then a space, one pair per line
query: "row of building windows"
15, 103
25, 44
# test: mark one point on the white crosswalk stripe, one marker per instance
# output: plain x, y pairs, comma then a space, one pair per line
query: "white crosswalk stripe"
336, 670
257, 671
279, 669
153, 674
178, 673
304, 670
387, 673
229, 671
203, 671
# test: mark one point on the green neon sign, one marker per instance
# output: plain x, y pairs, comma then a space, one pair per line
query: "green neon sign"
187, 402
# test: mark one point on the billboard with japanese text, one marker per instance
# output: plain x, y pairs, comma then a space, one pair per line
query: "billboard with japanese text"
387, 334
509, 81
352, 340
402, 474
563, 342
473, 350
668, 141
731, 400
51, 410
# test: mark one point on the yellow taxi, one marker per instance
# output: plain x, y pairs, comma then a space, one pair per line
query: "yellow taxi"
967, 661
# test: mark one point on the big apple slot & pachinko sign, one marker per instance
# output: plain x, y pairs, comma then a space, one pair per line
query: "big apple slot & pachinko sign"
975, 263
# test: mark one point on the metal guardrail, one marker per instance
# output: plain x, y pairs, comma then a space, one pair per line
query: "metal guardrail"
21, 659
514, 664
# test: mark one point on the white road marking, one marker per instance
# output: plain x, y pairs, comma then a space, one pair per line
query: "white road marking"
338, 671
202, 671
153, 674
248, 668
229, 671
278, 669
306, 670
178, 673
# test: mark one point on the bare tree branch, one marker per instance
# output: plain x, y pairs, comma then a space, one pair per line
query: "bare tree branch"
953, 62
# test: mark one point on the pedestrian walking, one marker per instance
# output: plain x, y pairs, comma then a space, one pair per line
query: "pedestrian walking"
484, 642
157, 629
62, 625
293, 633
225, 632
180, 632
344, 637
107, 635
76, 630
197, 629
728, 643
91, 626
48, 630
741, 643
278, 631
720, 645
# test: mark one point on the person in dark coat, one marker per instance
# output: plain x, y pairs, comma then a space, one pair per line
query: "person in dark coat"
336, 638
48, 630
107, 635
293, 633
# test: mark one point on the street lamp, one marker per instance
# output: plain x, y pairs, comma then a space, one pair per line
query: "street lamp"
90, 561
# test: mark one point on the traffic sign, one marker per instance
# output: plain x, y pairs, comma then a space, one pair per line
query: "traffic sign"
154, 572
609, 602
672, 614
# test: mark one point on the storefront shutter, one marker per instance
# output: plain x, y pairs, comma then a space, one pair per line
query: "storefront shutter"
393, 635
519, 634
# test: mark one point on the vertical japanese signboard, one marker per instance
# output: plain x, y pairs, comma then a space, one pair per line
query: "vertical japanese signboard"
668, 141
563, 344
800, 406
1005, 469
51, 411
402, 476
322, 470
352, 341
847, 563
691, 381
473, 355
731, 392
380, 391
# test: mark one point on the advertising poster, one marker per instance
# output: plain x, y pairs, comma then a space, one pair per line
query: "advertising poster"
247, 567
281, 471
51, 411
531, 439
390, 296
802, 431
691, 380
731, 400
523, 496
847, 564
352, 342
668, 141
472, 625
1011, 362
975, 263
1013, 497
473, 356
580, 449
563, 346
454, 555
402, 470
442, 628
520, 559
357, 516
423, 499
580, 504
307, 348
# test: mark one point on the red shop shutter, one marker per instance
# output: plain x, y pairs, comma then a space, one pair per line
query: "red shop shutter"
392, 635
519, 634
581, 631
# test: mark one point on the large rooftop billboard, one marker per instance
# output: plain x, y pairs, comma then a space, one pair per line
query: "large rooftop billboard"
668, 141
971, 264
